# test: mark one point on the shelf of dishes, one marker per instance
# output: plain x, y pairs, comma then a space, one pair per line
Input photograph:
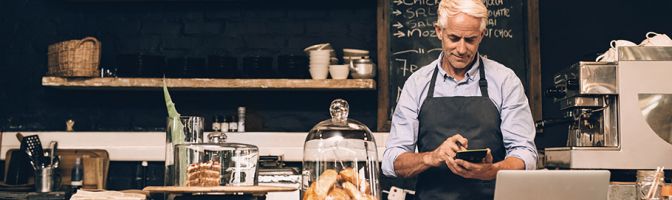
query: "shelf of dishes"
208, 83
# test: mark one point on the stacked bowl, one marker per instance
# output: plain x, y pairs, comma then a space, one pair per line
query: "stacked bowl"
319, 63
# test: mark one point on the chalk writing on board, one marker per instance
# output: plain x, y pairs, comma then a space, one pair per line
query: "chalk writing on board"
413, 39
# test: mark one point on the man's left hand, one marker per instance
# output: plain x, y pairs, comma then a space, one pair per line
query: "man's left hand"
485, 170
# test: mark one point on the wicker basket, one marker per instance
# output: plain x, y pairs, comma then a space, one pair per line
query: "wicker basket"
75, 58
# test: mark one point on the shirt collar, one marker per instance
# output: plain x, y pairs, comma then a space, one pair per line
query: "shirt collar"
471, 74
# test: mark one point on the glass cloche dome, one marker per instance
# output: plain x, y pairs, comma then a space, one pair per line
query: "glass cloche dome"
340, 159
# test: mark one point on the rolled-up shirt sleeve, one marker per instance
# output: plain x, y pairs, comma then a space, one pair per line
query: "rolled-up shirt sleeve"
517, 125
404, 128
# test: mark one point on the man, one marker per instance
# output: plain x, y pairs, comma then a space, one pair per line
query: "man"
460, 101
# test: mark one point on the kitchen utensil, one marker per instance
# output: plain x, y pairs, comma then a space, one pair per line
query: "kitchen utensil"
52, 152
34, 146
44, 179
362, 68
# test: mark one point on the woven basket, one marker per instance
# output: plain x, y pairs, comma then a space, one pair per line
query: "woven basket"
75, 58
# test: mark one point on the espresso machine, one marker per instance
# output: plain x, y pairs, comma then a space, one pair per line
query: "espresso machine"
619, 113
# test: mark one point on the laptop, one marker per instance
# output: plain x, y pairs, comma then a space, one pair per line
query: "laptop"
552, 184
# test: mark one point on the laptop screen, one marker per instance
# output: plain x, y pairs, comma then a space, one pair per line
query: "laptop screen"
552, 184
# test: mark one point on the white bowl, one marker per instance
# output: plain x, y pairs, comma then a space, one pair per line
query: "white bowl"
320, 52
355, 51
320, 57
320, 62
322, 66
319, 73
339, 71
322, 46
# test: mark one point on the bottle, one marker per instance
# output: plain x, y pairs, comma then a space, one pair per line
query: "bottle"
224, 124
233, 124
77, 175
241, 119
216, 123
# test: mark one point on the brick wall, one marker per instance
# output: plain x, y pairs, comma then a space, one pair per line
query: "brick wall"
237, 28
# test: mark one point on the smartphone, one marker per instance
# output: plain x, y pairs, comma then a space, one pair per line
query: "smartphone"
474, 155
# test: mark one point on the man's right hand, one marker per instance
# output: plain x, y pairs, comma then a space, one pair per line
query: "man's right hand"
446, 150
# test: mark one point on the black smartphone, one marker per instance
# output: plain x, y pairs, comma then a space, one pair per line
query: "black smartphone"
474, 155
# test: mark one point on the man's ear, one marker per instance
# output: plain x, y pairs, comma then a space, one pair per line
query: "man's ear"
439, 31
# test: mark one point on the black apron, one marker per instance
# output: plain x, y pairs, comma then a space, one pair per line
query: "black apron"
474, 117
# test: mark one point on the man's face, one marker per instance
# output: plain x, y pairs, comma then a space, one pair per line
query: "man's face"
460, 39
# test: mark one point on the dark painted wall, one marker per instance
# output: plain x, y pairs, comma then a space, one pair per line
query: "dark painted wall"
237, 28
575, 30
570, 31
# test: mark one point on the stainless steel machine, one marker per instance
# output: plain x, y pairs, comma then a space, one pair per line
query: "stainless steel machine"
619, 113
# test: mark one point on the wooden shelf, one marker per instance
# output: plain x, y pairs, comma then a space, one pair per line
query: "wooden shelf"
208, 83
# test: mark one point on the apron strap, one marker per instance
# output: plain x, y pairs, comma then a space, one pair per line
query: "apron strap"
482, 83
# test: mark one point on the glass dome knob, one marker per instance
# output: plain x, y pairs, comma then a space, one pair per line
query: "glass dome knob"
339, 110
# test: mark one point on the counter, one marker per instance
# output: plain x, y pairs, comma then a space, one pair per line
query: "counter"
150, 146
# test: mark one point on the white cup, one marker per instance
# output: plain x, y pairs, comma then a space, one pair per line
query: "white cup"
319, 73
656, 39
339, 71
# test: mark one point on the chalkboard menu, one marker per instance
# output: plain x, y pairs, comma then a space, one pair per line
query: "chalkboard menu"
413, 43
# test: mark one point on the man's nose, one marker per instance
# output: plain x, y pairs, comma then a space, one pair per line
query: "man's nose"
461, 47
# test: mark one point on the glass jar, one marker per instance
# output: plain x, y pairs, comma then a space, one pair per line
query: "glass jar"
645, 179
340, 159
185, 129
216, 164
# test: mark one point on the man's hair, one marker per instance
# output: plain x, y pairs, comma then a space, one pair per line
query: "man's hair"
451, 8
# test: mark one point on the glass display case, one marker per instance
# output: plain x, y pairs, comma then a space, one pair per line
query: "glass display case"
340, 159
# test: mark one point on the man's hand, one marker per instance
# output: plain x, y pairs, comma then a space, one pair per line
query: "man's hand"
446, 150
485, 170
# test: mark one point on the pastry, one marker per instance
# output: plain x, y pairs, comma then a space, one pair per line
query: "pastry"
310, 193
337, 194
349, 175
352, 191
325, 182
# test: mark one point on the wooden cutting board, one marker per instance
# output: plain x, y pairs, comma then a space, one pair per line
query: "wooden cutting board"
218, 189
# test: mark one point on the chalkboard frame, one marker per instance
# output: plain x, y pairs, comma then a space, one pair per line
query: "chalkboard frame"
533, 61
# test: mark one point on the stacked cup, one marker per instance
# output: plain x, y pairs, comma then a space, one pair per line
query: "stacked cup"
319, 63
